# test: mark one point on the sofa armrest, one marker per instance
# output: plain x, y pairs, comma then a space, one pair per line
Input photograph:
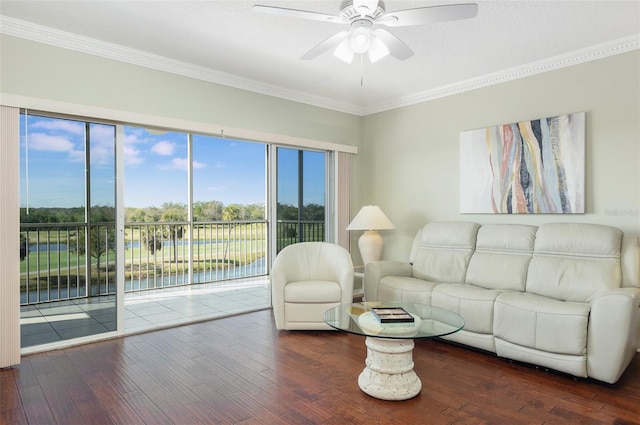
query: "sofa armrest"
614, 333
376, 270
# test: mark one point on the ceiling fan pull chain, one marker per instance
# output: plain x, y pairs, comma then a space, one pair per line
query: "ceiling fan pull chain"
361, 70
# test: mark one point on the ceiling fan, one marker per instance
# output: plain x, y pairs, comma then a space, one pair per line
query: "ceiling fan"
362, 37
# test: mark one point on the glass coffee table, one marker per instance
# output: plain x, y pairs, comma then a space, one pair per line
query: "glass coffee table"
388, 372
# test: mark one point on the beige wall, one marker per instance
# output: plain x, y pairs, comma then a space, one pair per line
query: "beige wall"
45, 72
411, 154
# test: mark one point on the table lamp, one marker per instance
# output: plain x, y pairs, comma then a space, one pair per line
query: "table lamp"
370, 218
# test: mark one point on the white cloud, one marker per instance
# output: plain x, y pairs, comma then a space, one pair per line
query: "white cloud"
73, 127
181, 164
103, 133
59, 138
47, 143
132, 138
178, 164
198, 165
164, 148
76, 156
102, 144
132, 156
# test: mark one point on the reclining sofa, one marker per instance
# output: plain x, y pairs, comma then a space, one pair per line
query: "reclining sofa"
564, 296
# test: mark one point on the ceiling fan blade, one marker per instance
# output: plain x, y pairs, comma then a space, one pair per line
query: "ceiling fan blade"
294, 13
396, 47
365, 7
325, 45
429, 15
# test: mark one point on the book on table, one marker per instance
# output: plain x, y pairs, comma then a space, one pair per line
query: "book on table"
389, 315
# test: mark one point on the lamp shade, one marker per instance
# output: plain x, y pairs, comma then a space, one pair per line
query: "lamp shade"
370, 217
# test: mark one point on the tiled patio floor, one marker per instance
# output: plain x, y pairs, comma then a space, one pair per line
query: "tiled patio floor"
147, 310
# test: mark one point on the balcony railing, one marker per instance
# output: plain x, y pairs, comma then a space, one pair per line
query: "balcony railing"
160, 255
64, 261
293, 231
54, 262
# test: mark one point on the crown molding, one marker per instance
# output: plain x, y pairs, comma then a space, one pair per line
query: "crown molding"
576, 57
46, 35
66, 40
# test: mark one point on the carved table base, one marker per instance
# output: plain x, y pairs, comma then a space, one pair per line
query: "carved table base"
389, 374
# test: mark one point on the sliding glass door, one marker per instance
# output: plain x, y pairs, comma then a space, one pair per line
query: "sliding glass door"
67, 229
300, 196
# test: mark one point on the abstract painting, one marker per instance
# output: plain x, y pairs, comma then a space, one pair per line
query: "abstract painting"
529, 167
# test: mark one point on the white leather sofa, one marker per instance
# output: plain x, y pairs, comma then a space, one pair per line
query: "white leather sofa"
307, 279
564, 296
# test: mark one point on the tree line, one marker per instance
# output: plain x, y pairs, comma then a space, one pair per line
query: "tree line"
203, 211
102, 239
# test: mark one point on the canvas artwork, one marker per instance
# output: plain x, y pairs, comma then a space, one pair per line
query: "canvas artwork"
530, 167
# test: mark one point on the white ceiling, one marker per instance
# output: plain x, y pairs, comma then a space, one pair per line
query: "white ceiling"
225, 41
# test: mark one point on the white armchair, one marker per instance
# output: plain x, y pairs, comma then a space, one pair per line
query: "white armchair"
307, 279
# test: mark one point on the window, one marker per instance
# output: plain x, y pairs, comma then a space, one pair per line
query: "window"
192, 209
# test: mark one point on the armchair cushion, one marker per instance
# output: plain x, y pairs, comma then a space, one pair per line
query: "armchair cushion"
312, 291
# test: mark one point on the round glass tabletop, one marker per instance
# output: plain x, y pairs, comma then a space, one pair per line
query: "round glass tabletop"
393, 319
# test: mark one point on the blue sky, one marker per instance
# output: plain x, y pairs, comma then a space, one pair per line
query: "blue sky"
224, 170
52, 169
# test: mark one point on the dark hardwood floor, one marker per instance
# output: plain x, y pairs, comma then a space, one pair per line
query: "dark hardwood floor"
240, 370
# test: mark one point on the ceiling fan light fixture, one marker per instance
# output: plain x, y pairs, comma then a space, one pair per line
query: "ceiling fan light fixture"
344, 52
378, 50
360, 40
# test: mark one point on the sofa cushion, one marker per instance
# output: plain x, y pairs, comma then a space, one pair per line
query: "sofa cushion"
502, 256
399, 288
575, 261
442, 250
541, 323
474, 304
